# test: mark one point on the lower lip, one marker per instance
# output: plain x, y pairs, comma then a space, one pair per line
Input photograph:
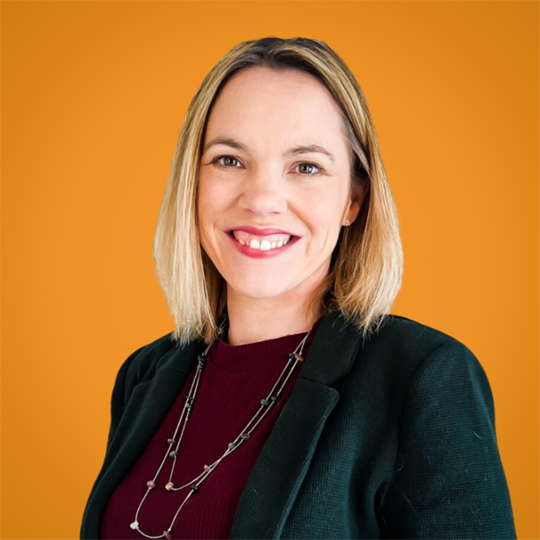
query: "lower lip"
261, 254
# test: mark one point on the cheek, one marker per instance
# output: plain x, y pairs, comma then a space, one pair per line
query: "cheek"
320, 211
324, 215
204, 210
212, 203
207, 198
203, 193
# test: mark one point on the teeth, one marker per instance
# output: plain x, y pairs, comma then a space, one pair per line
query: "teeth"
264, 245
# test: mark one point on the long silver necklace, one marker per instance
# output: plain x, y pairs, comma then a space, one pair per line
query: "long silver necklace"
193, 485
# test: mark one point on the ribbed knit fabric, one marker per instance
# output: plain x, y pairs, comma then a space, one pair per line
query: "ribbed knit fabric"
233, 382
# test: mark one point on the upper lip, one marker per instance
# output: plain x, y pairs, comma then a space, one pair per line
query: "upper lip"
260, 232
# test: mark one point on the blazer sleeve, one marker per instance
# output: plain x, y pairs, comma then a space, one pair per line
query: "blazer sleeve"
448, 480
120, 394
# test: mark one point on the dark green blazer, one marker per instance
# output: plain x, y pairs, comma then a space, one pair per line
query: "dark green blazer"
393, 437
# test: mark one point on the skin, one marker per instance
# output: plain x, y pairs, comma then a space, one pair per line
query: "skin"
268, 112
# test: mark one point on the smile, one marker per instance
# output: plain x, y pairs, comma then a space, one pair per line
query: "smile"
263, 249
264, 243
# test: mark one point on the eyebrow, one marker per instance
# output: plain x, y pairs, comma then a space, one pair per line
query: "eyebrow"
295, 150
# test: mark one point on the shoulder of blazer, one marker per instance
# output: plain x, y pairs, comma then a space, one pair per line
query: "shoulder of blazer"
409, 338
402, 345
142, 365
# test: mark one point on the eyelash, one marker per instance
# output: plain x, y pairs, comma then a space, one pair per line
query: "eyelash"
319, 168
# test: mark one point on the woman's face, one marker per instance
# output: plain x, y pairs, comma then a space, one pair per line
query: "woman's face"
274, 157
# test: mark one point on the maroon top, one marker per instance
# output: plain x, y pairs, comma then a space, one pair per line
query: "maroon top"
234, 380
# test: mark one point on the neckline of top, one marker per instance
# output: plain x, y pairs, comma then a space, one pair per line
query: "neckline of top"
259, 354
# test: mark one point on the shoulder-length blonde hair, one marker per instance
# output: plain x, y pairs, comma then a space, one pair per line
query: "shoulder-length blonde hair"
367, 263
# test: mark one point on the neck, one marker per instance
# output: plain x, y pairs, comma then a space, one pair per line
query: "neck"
263, 320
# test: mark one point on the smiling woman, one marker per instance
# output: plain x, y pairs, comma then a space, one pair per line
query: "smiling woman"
288, 402
292, 176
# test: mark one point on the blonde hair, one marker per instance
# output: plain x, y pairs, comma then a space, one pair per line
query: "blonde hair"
367, 263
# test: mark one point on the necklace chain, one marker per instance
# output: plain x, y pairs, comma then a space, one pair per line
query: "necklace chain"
265, 406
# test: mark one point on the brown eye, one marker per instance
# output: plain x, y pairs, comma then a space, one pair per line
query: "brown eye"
227, 161
308, 169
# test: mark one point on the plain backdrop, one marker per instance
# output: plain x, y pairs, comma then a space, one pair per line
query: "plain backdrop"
94, 94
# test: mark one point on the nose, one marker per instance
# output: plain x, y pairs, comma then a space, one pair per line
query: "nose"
264, 192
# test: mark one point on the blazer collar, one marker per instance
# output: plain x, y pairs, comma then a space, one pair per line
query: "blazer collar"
280, 469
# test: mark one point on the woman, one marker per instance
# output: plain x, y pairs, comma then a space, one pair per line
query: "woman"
287, 402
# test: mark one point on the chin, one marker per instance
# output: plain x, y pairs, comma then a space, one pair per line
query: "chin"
258, 289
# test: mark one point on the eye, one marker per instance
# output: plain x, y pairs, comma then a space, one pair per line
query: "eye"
231, 162
310, 167
227, 159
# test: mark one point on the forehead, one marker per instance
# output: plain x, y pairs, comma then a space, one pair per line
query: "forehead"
270, 108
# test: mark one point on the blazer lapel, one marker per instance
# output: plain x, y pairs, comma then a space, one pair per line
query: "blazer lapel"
280, 469
278, 473
149, 403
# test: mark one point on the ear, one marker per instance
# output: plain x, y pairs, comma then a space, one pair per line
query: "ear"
359, 192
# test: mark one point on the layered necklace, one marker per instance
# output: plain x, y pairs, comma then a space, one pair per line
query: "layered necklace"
173, 443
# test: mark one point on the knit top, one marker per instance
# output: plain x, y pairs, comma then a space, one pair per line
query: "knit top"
232, 384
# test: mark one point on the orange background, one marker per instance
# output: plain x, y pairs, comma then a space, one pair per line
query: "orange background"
93, 99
